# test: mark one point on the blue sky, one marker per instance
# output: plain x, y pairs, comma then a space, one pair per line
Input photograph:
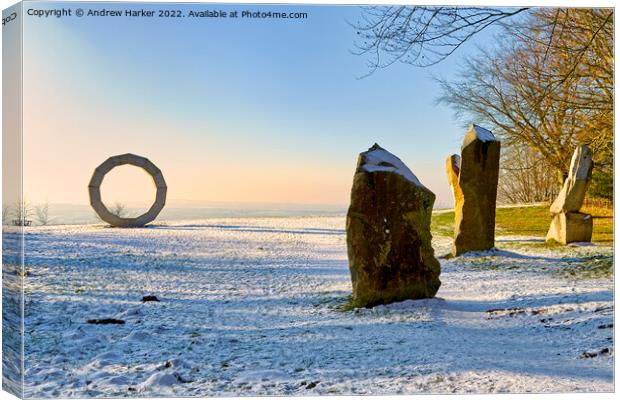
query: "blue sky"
231, 110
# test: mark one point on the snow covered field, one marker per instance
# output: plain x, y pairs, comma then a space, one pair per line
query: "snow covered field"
254, 306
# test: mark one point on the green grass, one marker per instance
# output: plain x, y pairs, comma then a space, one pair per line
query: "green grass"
531, 221
594, 268
442, 224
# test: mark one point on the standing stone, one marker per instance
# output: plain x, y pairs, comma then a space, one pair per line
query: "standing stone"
570, 198
475, 191
388, 232
568, 224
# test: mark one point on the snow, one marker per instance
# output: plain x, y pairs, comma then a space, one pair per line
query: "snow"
380, 160
252, 306
483, 134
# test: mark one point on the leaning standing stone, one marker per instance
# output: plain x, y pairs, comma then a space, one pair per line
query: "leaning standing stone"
570, 198
388, 232
476, 192
568, 224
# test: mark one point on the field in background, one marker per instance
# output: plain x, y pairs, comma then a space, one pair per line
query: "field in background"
532, 221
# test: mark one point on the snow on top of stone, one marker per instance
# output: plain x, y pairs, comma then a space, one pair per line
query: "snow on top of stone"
483, 134
377, 159
477, 132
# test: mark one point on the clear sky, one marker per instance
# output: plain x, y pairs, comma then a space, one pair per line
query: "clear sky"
229, 109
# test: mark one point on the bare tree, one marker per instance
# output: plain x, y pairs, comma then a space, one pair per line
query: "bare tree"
119, 209
528, 91
6, 214
493, 90
22, 212
583, 40
524, 177
420, 35
42, 213
548, 85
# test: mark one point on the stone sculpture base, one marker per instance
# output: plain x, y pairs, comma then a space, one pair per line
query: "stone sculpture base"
570, 227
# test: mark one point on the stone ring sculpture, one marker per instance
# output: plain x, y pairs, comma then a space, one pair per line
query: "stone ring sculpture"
95, 193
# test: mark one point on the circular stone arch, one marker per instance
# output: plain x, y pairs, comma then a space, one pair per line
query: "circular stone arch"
95, 193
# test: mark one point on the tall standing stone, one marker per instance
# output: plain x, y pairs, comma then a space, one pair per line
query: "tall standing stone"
475, 191
388, 232
568, 224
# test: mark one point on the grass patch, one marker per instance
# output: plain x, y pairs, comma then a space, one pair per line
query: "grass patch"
442, 224
534, 245
499, 266
531, 221
603, 218
345, 304
594, 268
527, 221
